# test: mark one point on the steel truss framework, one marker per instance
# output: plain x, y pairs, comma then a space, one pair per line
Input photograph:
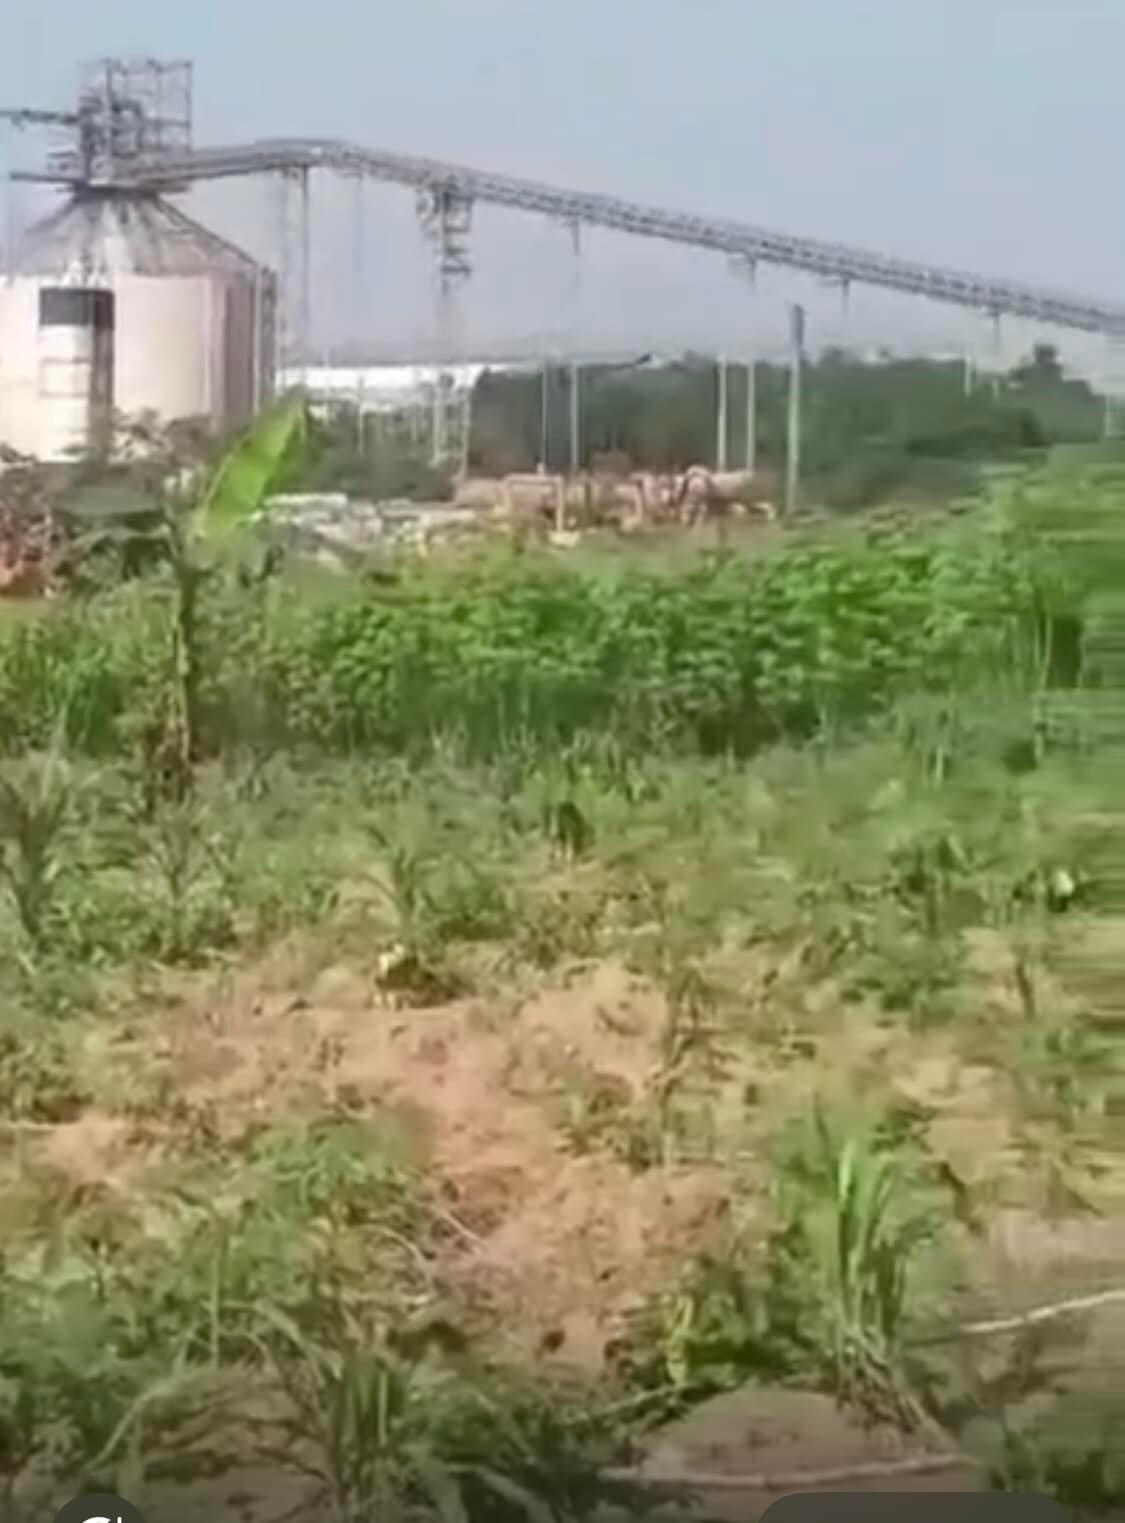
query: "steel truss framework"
450, 185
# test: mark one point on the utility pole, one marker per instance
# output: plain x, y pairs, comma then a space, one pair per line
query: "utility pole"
359, 302
11, 227
438, 414
575, 440
721, 426
576, 424
793, 433
544, 412
751, 415
466, 427
575, 404
256, 391
306, 273
284, 320
1112, 390
748, 268
997, 353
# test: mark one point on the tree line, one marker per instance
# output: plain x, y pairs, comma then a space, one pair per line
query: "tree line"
869, 428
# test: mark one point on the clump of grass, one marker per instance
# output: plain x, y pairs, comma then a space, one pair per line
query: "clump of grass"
822, 1302
876, 1237
35, 804
398, 1422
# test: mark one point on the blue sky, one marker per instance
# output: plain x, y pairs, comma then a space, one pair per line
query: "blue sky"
986, 135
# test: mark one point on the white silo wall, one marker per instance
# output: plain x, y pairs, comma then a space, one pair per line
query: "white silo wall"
193, 324
165, 348
56, 370
66, 364
185, 348
20, 411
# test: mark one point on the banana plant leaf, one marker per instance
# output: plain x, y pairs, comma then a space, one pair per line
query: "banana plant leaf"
242, 479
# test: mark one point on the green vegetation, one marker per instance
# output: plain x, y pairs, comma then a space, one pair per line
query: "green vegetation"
497, 654
496, 907
872, 430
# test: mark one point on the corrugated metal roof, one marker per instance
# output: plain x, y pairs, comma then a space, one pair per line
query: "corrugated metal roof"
95, 237
347, 380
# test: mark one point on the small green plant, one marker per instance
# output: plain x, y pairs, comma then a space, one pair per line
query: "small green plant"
406, 889
823, 1300
1061, 1071
400, 1423
356, 1400
176, 850
1082, 1470
725, 1325
35, 802
875, 1239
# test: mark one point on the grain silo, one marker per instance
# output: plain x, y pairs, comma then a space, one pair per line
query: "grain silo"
118, 303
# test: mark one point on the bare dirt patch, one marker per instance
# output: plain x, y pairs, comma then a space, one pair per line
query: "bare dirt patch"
763, 1433
557, 1235
557, 1246
94, 1150
555, 1240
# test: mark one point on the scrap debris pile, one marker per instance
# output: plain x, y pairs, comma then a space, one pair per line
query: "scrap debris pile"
51, 526
337, 530
29, 533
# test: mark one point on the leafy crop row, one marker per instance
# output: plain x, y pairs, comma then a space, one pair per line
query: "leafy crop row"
724, 655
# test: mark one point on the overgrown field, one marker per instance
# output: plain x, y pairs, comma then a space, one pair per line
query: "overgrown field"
504, 655
557, 995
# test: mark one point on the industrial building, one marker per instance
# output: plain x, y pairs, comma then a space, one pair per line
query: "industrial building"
118, 304
122, 305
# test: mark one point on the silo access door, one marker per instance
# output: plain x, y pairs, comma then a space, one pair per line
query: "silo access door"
76, 347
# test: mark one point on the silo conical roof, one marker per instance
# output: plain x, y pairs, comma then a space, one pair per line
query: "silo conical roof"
97, 236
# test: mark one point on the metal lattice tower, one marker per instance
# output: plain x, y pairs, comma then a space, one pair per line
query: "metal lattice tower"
294, 268
446, 220
130, 111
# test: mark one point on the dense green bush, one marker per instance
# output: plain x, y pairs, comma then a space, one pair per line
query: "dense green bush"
720, 654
